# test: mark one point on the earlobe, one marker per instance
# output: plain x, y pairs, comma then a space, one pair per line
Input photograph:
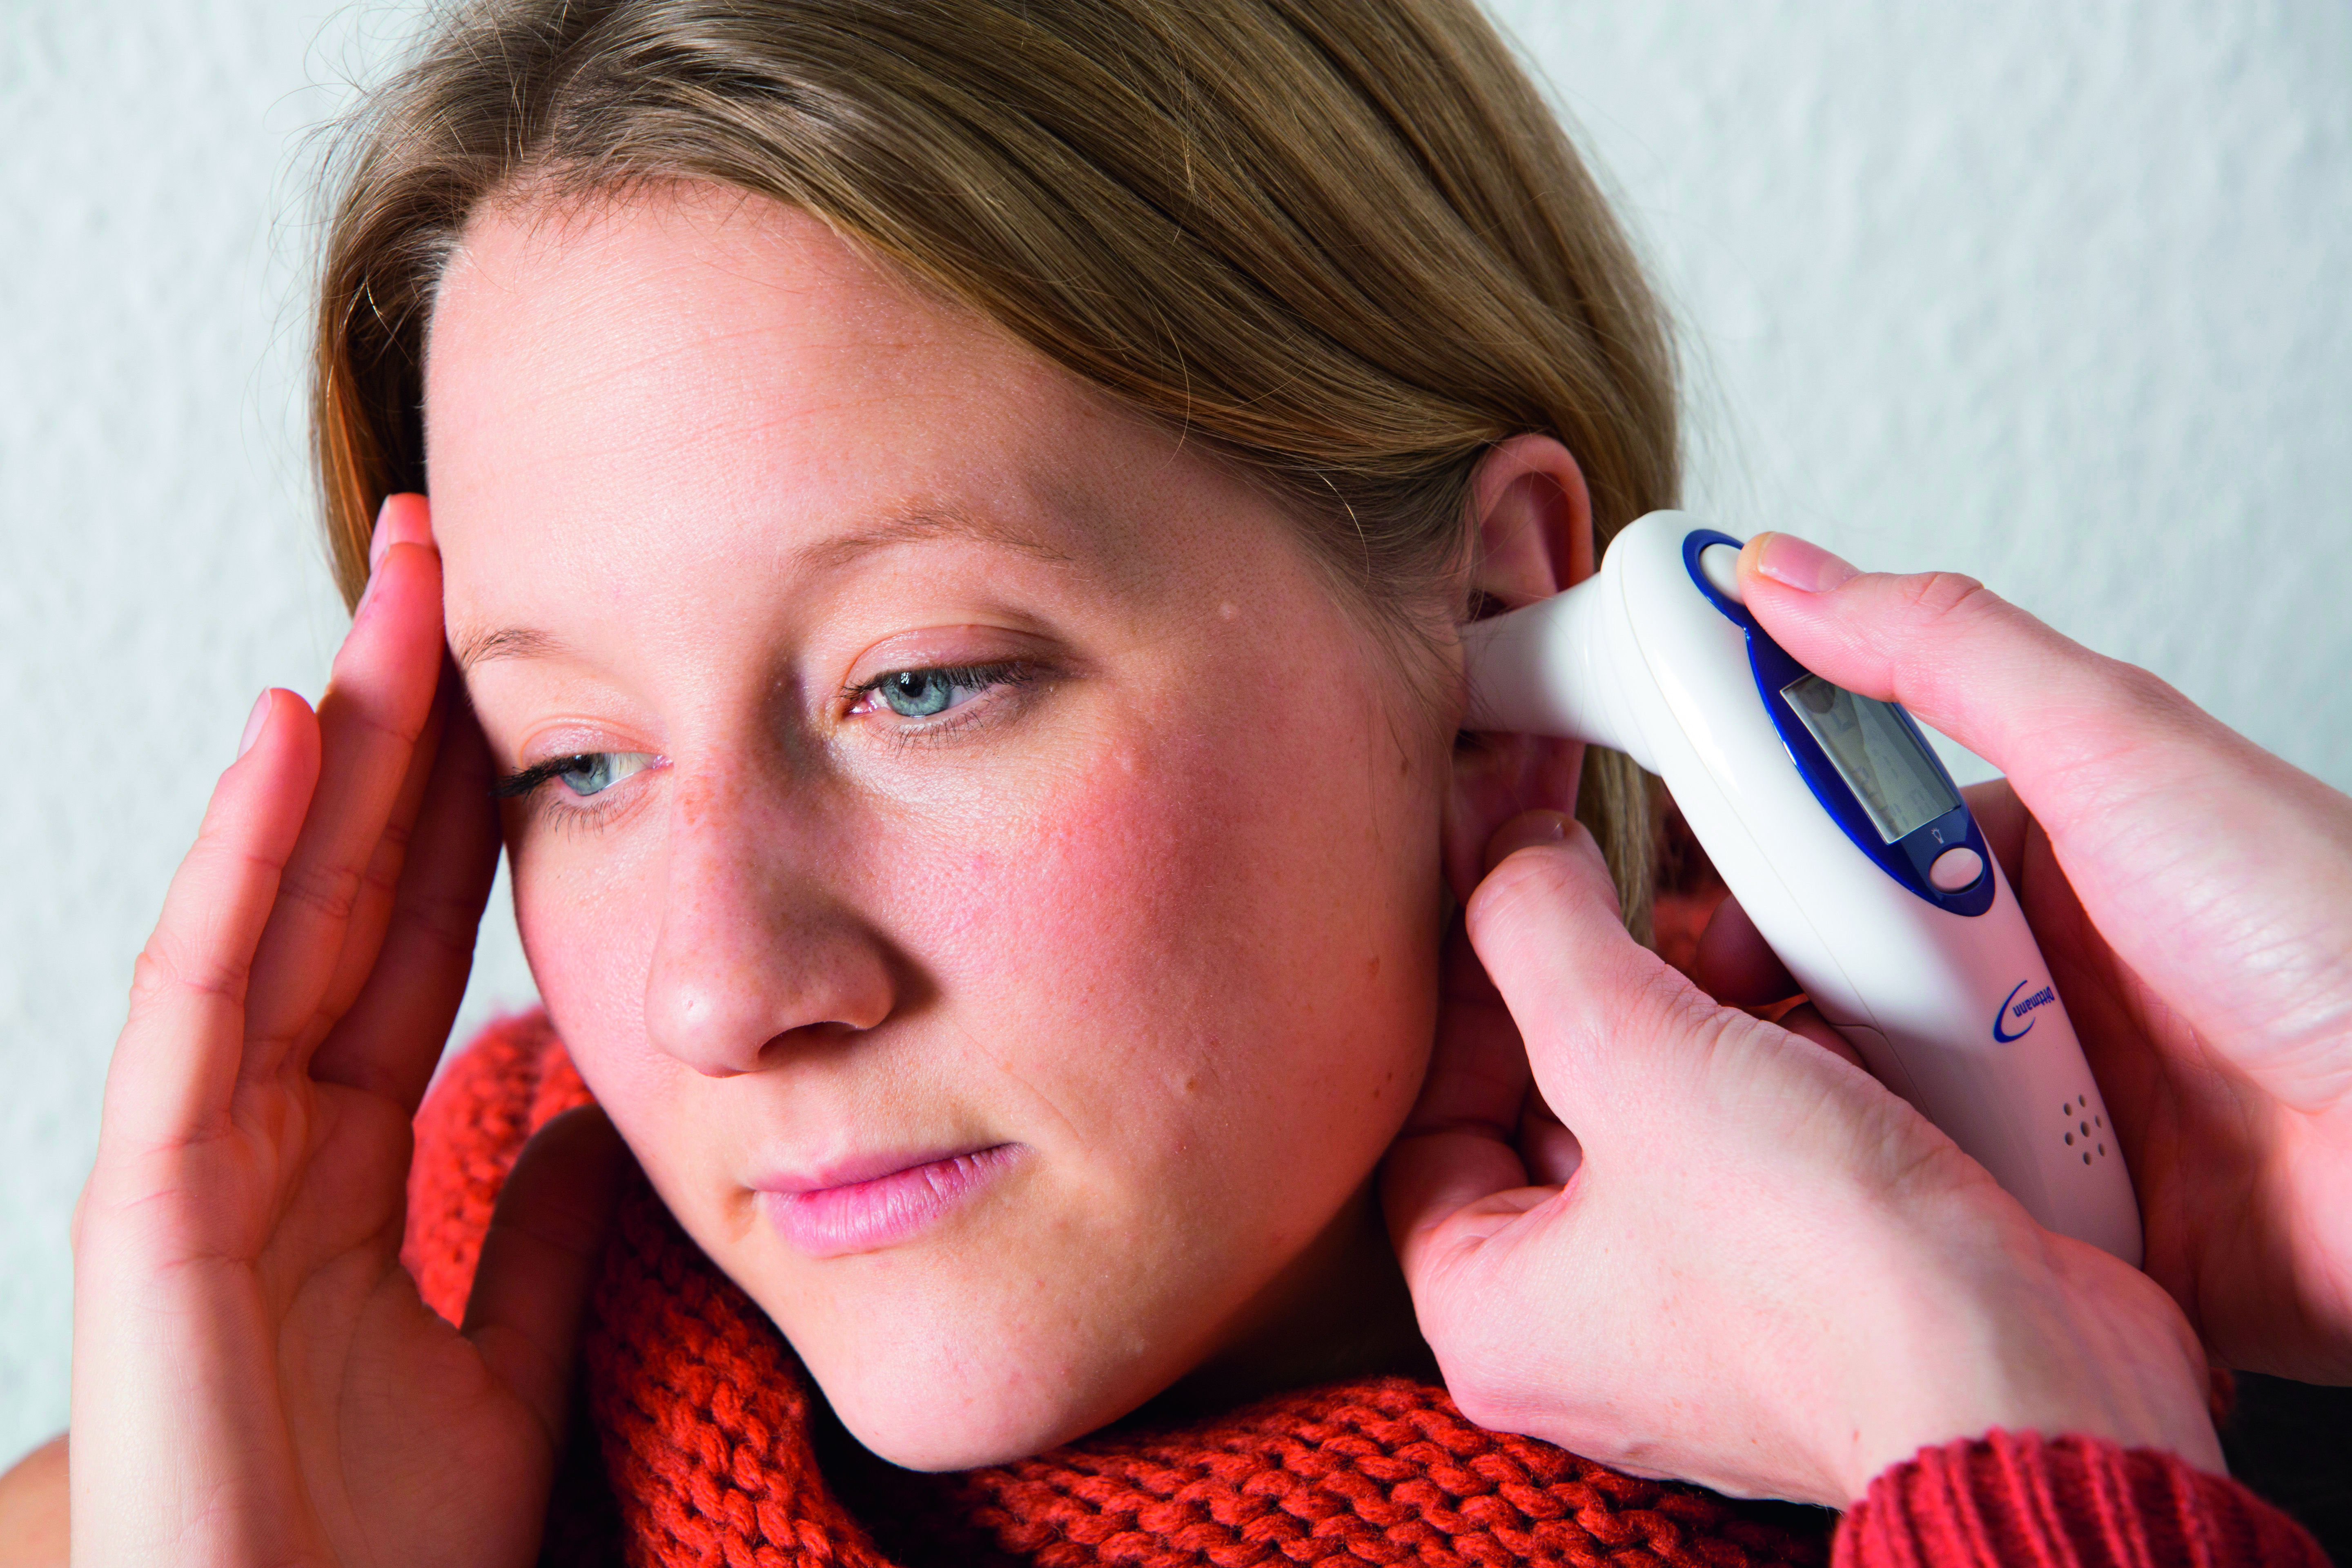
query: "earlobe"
1532, 518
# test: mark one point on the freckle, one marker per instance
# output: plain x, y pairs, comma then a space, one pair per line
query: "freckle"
1372, 970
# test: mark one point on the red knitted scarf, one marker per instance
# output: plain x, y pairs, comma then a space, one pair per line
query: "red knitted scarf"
706, 1435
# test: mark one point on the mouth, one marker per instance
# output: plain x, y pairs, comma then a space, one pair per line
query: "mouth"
874, 1203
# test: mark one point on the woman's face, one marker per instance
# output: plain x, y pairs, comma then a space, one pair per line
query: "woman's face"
990, 878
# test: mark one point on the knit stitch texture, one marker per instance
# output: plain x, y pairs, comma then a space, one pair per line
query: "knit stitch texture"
698, 1437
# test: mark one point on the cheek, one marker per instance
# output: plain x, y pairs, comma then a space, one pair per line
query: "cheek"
590, 914
1211, 944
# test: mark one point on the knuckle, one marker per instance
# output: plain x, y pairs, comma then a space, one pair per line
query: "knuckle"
169, 965
447, 921
382, 877
329, 891
401, 731
1674, 1017
394, 839
1668, 996
1942, 613
2141, 694
1947, 598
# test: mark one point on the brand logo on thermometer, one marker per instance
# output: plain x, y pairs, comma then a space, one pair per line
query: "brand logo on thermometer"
2016, 1008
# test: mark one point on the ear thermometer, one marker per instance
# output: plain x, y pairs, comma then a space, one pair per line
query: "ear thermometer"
1844, 840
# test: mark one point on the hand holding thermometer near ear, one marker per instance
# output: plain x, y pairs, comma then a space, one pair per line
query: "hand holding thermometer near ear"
1844, 840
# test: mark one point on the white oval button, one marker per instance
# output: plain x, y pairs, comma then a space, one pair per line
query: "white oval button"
1719, 564
1956, 868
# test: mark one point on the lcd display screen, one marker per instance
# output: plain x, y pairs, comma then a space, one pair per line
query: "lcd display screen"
1888, 770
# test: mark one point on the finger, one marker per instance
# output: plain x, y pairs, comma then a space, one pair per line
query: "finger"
1431, 1183
405, 518
1735, 964
176, 1066
1590, 1003
2039, 706
1548, 1150
540, 1256
1477, 1073
375, 709
1457, 1145
388, 1042
379, 884
1529, 830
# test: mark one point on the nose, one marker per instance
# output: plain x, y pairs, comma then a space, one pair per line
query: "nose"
755, 949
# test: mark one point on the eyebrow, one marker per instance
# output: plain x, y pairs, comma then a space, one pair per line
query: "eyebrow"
473, 649
915, 524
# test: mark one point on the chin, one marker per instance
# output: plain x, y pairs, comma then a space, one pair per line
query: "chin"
920, 1414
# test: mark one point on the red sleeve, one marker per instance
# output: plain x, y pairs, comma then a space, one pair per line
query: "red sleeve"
508, 1083
2011, 1501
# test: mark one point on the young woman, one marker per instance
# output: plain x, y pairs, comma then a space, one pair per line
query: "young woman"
948, 524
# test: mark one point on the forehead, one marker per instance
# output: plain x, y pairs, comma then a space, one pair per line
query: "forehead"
692, 377
688, 295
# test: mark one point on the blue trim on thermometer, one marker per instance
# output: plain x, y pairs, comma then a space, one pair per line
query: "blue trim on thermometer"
1907, 859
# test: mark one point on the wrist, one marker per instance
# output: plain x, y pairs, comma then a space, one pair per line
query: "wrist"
2024, 1333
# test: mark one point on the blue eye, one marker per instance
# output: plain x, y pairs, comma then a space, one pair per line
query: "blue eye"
593, 773
582, 775
919, 693
927, 693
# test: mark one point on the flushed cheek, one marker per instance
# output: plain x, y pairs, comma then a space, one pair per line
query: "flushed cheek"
1183, 957
590, 918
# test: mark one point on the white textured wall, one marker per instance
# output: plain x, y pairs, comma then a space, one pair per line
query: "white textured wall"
2054, 294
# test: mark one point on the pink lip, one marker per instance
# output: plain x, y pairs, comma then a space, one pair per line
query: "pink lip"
862, 1204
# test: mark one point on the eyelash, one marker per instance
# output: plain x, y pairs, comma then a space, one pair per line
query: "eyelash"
972, 677
526, 783
516, 785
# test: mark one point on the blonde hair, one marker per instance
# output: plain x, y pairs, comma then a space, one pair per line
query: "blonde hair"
1344, 242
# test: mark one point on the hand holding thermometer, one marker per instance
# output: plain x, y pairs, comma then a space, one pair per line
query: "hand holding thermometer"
1843, 839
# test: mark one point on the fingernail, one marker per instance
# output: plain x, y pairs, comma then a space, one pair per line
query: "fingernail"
1800, 563
380, 538
1525, 831
255, 723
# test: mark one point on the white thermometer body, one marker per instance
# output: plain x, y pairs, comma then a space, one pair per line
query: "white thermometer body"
1845, 841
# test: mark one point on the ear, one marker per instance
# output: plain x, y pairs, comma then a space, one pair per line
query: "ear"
1531, 519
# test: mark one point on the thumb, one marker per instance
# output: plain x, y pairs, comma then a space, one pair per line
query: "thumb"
2214, 870
1587, 998
540, 1259
2037, 705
